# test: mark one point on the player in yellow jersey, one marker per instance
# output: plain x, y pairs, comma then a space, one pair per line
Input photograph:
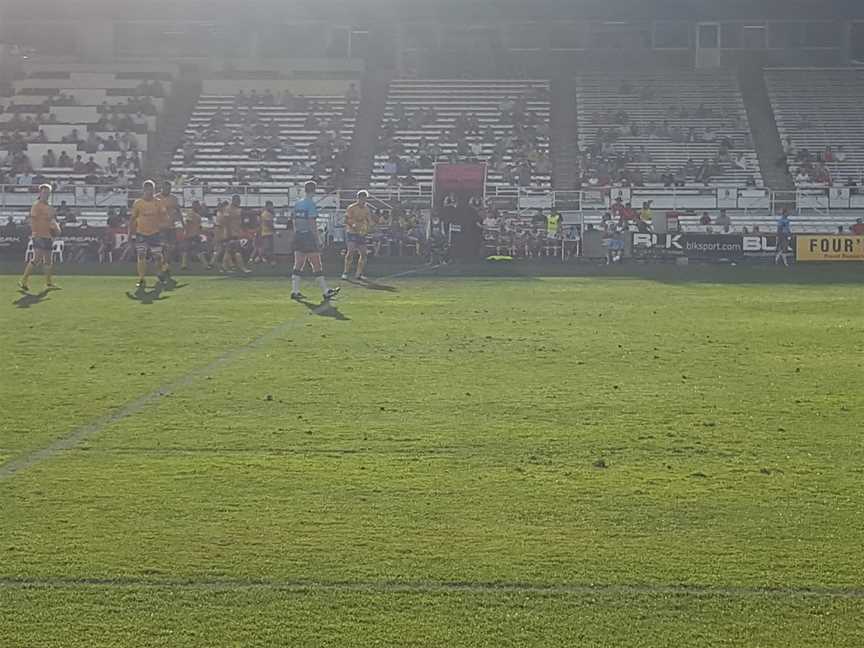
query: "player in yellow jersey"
145, 230
358, 224
232, 232
266, 233
172, 217
44, 227
192, 244
218, 234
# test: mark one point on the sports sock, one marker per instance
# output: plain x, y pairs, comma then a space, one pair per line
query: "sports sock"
28, 270
295, 283
49, 273
142, 269
322, 282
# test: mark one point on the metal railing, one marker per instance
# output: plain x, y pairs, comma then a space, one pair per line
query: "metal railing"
817, 200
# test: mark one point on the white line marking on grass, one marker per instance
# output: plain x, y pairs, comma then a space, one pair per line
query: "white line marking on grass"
88, 430
431, 587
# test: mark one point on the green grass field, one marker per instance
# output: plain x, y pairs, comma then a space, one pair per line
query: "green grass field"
441, 462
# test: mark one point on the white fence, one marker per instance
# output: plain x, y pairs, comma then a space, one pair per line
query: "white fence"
15, 198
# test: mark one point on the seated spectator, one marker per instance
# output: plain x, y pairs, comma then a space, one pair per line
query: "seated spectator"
49, 159
79, 166
706, 219
724, 222
858, 227
840, 155
92, 143
91, 166
64, 160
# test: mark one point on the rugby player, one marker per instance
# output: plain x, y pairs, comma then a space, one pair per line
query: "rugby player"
43, 228
146, 227
358, 223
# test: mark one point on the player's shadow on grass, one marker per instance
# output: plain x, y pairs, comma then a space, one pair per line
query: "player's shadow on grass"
31, 299
324, 309
368, 284
171, 285
146, 297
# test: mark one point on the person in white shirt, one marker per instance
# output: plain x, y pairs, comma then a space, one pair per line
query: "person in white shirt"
840, 155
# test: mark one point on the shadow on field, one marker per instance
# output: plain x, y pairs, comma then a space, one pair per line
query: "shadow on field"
26, 300
667, 273
370, 284
145, 297
324, 309
171, 285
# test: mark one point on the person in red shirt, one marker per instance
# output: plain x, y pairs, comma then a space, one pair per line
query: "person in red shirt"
618, 209
858, 227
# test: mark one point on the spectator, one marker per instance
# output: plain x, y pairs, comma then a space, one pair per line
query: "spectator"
724, 222
79, 167
64, 161
706, 219
646, 215
840, 155
91, 166
49, 159
858, 227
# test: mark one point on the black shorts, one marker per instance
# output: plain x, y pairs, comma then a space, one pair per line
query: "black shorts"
192, 244
232, 245
356, 240
148, 244
306, 243
267, 244
44, 244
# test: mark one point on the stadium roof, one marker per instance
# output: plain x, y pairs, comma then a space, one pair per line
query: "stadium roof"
217, 10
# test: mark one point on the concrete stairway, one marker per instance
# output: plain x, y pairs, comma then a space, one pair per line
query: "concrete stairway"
563, 127
172, 125
766, 138
368, 122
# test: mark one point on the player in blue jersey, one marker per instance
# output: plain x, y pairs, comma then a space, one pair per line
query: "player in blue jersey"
307, 245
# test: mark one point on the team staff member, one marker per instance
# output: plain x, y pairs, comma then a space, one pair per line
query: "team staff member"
145, 231
784, 238
173, 217
358, 223
307, 246
43, 229
232, 231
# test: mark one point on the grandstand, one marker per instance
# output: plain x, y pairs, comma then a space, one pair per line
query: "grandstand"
683, 128
268, 134
504, 123
83, 124
818, 113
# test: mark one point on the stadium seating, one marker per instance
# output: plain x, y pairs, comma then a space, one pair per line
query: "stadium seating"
654, 122
275, 134
816, 109
420, 117
59, 111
